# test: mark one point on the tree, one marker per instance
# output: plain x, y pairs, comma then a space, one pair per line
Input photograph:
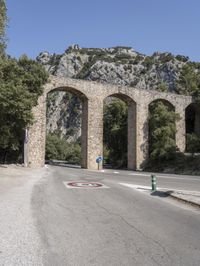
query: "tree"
21, 83
162, 131
3, 24
188, 82
115, 132
192, 143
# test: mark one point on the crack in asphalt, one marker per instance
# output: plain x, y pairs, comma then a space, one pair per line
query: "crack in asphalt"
137, 230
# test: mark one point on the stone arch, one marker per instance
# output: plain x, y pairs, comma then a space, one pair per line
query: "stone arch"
75, 91
192, 117
165, 101
94, 94
84, 102
192, 121
131, 130
37, 132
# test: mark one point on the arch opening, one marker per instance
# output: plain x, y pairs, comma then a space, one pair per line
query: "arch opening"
162, 130
119, 132
192, 121
66, 126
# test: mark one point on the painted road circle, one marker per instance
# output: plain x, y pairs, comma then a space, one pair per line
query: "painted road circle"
85, 184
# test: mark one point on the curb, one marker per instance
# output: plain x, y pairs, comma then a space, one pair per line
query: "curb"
190, 202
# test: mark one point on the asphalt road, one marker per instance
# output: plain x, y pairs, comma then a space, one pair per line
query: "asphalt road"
116, 225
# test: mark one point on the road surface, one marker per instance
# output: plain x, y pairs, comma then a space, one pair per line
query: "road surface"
111, 225
114, 225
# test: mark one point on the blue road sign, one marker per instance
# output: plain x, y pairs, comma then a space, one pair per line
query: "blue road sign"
99, 159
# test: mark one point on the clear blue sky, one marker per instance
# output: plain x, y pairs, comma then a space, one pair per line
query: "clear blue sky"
145, 25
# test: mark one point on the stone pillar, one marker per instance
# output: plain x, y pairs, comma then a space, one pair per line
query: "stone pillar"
94, 132
37, 135
84, 134
142, 140
132, 136
197, 120
181, 129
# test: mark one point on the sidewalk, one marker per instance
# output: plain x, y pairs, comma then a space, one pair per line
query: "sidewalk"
20, 242
190, 197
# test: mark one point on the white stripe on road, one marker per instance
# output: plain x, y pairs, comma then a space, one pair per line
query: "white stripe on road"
145, 188
136, 187
164, 176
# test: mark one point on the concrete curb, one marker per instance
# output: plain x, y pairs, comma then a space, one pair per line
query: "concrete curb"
184, 198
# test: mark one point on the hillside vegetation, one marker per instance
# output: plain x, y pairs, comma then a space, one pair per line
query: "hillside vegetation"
123, 66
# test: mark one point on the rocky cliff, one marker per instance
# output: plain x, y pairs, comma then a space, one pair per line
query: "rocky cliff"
117, 65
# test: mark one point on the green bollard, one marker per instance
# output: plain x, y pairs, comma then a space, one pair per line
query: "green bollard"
153, 183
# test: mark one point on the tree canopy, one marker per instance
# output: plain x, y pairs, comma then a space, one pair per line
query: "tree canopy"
188, 82
21, 84
3, 24
162, 129
115, 133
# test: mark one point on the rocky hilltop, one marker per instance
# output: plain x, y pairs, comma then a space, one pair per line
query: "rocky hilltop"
117, 65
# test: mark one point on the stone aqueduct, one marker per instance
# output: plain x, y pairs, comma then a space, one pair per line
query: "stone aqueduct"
92, 95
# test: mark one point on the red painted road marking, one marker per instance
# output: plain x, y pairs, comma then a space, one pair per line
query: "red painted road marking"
79, 184
84, 184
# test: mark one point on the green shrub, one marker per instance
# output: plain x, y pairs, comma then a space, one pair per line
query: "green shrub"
192, 143
58, 148
162, 129
148, 62
115, 133
188, 82
182, 58
162, 87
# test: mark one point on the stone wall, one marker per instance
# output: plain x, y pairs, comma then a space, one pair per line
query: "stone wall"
92, 95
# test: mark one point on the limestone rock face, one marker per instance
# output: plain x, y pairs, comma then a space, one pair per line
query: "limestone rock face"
117, 65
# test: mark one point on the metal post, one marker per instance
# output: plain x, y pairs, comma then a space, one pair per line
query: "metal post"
153, 183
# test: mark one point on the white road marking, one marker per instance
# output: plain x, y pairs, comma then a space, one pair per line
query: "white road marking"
163, 176
74, 175
145, 188
116, 172
139, 174
136, 187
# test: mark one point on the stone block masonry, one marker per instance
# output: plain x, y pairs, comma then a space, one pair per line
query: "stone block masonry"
92, 95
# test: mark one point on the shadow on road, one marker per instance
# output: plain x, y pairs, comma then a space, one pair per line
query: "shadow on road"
161, 194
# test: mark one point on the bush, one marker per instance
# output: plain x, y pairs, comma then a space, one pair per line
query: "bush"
73, 154
115, 133
162, 129
188, 82
192, 143
60, 149
182, 58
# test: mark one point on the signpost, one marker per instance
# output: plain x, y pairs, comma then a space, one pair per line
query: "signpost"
99, 159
